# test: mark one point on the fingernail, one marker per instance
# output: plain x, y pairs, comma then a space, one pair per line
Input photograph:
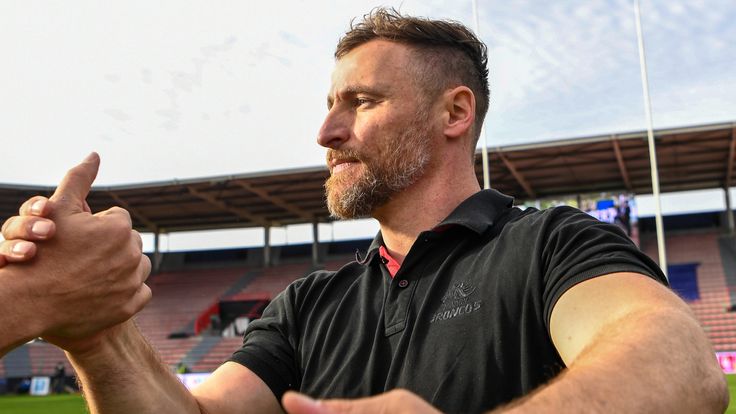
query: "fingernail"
41, 228
22, 248
37, 207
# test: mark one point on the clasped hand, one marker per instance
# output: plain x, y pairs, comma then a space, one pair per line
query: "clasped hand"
76, 273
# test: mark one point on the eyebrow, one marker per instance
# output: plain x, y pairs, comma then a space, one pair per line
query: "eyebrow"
357, 89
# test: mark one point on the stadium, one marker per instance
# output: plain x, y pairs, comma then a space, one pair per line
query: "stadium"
230, 97
203, 300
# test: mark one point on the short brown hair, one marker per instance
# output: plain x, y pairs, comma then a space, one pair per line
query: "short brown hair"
451, 54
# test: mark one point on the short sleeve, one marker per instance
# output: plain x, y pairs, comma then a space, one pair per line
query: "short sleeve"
579, 247
269, 347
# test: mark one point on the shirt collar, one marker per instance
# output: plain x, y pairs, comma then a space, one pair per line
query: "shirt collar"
477, 213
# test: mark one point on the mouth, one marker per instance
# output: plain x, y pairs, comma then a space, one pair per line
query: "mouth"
342, 164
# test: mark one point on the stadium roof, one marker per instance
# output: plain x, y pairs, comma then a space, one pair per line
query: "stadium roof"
689, 158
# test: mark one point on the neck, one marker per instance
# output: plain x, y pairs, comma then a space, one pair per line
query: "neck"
423, 206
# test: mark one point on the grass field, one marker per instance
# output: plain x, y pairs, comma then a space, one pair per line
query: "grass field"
53, 404
732, 389
73, 403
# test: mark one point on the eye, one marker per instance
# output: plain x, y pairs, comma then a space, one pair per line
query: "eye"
363, 102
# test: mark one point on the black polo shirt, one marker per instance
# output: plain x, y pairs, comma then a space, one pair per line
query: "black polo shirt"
464, 323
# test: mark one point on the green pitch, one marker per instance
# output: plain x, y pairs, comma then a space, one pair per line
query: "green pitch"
732, 389
56, 404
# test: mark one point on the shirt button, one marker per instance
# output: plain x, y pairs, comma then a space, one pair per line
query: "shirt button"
403, 283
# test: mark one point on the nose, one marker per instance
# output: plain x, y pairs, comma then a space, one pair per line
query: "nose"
335, 129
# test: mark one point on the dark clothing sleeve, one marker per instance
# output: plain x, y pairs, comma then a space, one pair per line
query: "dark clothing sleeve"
269, 346
578, 247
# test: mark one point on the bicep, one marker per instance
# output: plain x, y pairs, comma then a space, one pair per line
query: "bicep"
585, 311
233, 388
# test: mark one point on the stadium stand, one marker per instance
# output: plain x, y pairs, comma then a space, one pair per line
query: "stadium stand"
178, 297
220, 352
701, 247
44, 357
182, 293
275, 279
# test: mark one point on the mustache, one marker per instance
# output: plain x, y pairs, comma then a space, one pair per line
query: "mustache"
348, 154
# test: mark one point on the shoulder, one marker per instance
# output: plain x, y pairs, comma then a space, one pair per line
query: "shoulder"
552, 214
321, 280
548, 222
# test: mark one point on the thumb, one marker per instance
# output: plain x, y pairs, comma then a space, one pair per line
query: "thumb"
74, 187
296, 403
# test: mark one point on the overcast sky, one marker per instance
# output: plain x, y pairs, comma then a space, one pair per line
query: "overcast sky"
183, 89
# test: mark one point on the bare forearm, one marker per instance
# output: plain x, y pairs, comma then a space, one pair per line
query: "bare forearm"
9, 339
17, 326
647, 362
13, 333
125, 375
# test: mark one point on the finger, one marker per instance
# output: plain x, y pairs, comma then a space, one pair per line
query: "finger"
86, 207
139, 301
17, 250
3, 261
116, 212
28, 228
138, 239
36, 206
296, 403
145, 267
143, 296
74, 187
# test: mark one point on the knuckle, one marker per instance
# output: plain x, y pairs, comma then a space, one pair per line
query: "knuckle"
146, 267
7, 225
134, 256
26, 207
120, 228
120, 211
147, 295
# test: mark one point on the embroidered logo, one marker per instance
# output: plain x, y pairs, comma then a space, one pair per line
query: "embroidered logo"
456, 302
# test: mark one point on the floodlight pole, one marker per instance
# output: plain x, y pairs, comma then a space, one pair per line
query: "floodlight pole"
650, 137
484, 143
315, 243
156, 250
729, 213
267, 246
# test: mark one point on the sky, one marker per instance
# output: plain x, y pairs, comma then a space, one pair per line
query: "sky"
183, 89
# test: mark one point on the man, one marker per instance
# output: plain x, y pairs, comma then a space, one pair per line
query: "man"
59, 378
462, 303
99, 252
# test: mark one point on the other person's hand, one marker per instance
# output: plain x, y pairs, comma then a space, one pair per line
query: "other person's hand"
395, 401
90, 276
20, 232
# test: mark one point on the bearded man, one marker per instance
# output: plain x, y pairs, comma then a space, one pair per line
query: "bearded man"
462, 303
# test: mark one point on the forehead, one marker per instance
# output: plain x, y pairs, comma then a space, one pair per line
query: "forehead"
378, 62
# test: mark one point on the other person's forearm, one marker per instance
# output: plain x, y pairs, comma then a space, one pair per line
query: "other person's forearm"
654, 361
123, 374
17, 326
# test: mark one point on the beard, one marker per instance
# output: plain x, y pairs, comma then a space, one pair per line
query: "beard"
395, 166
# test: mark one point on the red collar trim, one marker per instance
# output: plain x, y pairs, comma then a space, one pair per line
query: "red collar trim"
391, 264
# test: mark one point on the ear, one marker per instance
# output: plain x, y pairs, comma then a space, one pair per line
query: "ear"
460, 112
